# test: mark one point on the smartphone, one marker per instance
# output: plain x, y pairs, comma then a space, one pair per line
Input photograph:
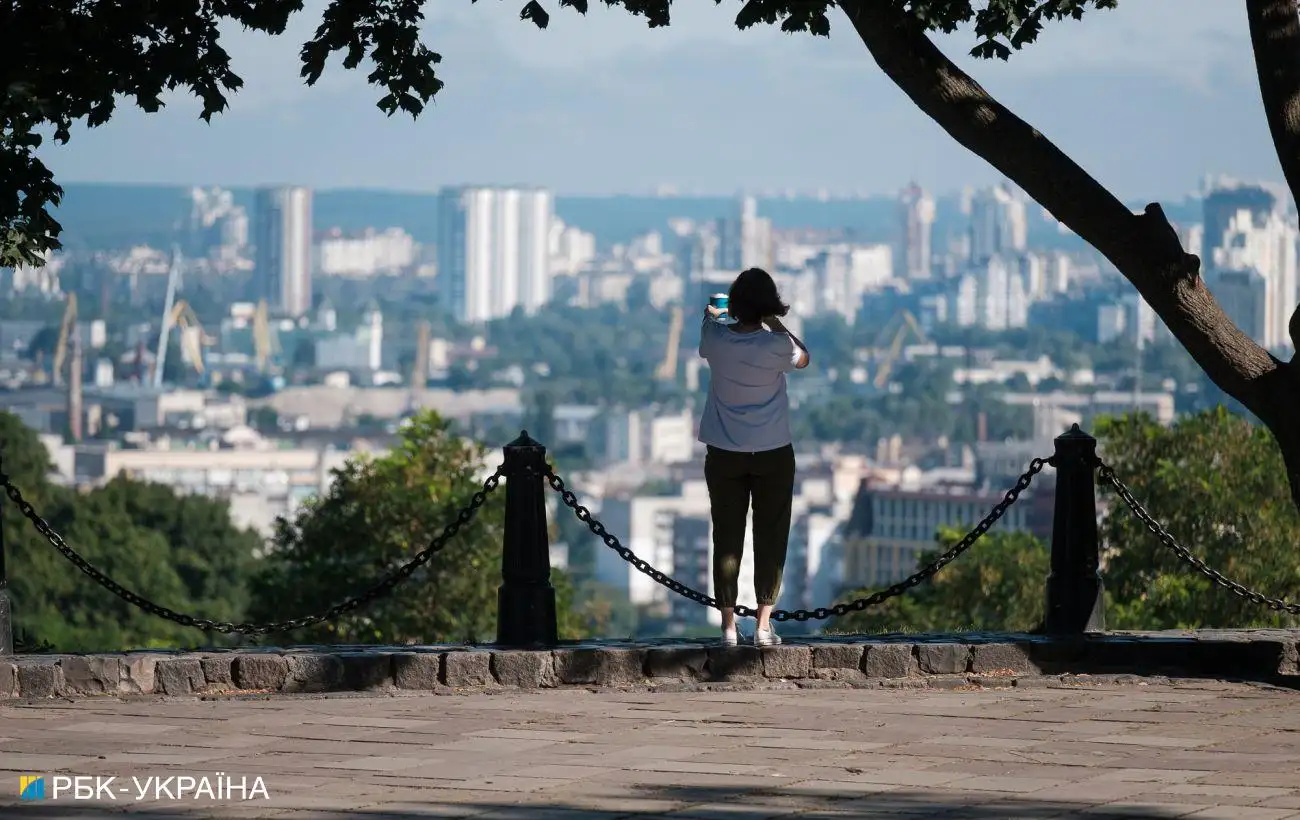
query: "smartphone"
719, 301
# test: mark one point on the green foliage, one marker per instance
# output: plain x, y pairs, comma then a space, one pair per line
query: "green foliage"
70, 62
1213, 480
997, 585
1217, 484
378, 514
181, 552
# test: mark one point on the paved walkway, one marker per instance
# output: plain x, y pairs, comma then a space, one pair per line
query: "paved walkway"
1202, 750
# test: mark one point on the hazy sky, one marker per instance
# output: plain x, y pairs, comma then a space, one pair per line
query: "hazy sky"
1149, 98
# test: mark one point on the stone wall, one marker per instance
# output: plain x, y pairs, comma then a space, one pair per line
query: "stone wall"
897, 661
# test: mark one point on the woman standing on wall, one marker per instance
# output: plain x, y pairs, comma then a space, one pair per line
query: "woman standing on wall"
746, 430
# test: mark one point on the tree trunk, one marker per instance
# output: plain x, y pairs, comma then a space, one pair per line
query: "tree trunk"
1144, 247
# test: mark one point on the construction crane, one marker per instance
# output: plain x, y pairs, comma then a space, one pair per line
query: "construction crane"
173, 281
65, 331
263, 342
420, 371
667, 370
898, 327
193, 337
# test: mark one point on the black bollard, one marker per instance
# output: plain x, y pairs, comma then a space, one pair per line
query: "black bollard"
526, 599
1074, 588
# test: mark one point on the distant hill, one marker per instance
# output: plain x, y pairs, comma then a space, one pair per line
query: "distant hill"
96, 215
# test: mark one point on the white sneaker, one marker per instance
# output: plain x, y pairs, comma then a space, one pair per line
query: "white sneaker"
766, 637
730, 637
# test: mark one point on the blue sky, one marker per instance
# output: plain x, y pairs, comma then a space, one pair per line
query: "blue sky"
1149, 98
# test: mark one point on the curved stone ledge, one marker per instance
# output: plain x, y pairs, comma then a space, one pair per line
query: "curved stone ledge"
947, 661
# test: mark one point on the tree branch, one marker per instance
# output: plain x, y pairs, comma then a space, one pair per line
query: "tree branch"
1144, 247
1275, 38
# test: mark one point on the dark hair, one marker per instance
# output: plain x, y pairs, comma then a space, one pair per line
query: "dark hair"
753, 296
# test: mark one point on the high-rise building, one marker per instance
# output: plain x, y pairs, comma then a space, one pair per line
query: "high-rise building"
745, 241
493, 251
918, 231
283, 233
1248, 231
998, 225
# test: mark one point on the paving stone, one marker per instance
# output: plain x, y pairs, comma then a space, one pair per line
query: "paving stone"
260, 671
313, 673
138, 674
889, 660
417, 670
943, 658
727, 663
366, 671
467, 669
179, 676
40, 680
837, 656
8, 680
92, 675
786, 661
217, 671
1001, 658
676, 661
524, 668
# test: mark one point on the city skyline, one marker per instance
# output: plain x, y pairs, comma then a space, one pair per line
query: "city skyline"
1119, 91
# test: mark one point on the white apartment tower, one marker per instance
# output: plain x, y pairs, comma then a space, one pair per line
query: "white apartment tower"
493, 251
918, 231
1250, 249
283, 229
998, 225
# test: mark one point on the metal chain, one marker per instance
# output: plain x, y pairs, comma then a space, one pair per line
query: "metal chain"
821, 613
382, 588
1107, 474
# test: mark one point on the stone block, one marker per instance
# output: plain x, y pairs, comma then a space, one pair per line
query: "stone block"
313, 673
524, 668
1290, 663
138, 674
40, 679
1249, 659
735, 663
92, 674
786, 662
8, 680
179, 676
217, 672
577, 665
417, 670
889, 660
837, 656
260, 672
467, 669
620, 667
685, 662
1005, 658
943, 658
848, 677
366, 671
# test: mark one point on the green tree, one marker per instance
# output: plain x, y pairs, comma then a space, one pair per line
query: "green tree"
997, 585
376, 516
1216, 483
183, 553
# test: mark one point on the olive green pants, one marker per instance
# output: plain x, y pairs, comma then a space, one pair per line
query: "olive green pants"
736, 480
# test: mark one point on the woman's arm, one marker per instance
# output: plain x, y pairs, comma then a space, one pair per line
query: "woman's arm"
805, 358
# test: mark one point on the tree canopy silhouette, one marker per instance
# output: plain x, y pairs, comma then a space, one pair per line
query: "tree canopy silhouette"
70, 60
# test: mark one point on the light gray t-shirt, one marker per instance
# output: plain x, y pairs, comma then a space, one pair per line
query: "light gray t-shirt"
748, 409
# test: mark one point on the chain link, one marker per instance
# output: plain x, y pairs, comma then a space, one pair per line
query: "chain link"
382, 588
1107, 474
821, 613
